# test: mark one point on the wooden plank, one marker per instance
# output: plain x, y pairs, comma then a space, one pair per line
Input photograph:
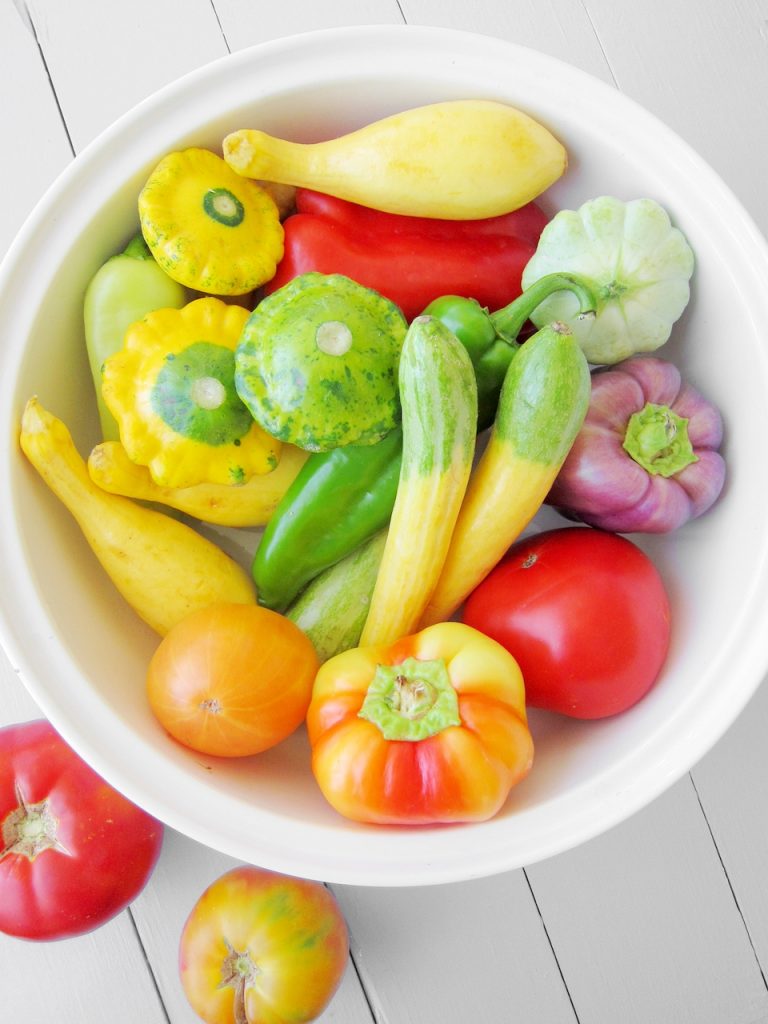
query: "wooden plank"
102, 976
704, 73
644, 924
33, 135
245, 23
183, 872
561, 28
129, 50
474, 951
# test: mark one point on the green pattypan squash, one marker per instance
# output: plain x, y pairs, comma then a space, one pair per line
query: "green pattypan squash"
317, 363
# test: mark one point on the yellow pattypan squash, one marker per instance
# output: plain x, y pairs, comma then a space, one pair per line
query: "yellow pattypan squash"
171, 389
209, 228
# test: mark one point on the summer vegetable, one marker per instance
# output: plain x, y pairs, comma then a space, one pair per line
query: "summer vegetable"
636, 262
459, 160
342, 497
646, 459
411, 260
207, 227
490, 338
123, 290
542, 406
259, 946
232, 680
430, 729
332, 610
317, 363
163, 569
338, 500
249, 504
74, 851
172, 390
438, 397
586, 615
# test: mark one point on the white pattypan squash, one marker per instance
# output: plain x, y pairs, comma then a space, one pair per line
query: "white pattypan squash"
637, 263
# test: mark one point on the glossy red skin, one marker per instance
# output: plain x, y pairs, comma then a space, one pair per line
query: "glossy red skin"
112, 844
410, 260
586, 615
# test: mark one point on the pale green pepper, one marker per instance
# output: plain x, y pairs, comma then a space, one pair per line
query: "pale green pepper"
122, 291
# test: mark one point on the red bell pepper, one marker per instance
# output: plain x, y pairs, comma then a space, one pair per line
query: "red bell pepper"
410, 260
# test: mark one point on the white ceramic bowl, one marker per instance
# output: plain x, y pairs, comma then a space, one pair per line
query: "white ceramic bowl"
82, 652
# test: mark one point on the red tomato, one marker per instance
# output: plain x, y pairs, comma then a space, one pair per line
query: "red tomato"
261, 946
232, 679
585, 614
74, 851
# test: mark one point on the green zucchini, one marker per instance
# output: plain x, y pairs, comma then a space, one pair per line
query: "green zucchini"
332, 610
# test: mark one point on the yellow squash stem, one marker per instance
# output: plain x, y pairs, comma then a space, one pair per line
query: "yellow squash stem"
438, 394
460, 159
248, 504
164, 569
542, 406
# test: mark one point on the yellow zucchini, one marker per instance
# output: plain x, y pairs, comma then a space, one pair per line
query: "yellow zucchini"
164, 569
543, 403
248, 504
438, 395
461, 159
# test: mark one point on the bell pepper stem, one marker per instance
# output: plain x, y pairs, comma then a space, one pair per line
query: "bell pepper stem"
509, 320
411, 700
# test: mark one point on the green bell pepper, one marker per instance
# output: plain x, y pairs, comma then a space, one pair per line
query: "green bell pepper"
342, 497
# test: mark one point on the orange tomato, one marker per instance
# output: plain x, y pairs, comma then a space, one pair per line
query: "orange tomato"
259, 946
232, 680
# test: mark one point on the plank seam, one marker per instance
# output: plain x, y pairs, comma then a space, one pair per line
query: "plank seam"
147, 961
593, 26
551, 944
221, 27
356, 969
728, 880
26, 16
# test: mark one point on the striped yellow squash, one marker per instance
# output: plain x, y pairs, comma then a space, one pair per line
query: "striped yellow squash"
543, 403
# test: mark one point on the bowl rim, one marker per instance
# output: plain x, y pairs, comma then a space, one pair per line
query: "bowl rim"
404, 857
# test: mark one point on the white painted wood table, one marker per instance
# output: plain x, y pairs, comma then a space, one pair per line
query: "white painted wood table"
664, 920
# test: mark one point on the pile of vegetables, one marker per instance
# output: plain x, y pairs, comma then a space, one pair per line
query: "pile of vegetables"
380, 349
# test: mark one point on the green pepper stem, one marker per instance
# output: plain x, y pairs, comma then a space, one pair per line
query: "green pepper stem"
657, 439
412, 700
509, 320
137, 249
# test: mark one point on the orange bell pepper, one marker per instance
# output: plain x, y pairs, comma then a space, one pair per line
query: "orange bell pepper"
430, 729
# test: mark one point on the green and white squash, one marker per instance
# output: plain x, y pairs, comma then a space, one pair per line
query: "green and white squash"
637, 263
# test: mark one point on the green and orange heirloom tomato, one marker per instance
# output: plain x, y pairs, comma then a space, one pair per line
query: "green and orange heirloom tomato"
430, 729
260, 947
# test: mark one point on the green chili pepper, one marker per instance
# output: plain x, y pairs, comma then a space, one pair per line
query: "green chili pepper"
491, 338
342, 497
122, 291
339, 499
